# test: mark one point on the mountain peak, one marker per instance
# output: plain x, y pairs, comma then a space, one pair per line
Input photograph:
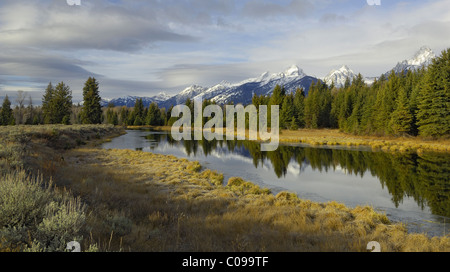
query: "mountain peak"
423, 57
344, 68
339, 76
293, 71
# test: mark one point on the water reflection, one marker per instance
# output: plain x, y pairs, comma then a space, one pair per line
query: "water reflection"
423, 177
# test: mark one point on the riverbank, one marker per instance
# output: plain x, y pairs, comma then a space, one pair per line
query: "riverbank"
149, 202
333, 137
127, 200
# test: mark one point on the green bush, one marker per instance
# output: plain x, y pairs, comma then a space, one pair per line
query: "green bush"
35, 217
119, 224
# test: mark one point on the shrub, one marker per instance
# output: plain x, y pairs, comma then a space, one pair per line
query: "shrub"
119, 224
35, 217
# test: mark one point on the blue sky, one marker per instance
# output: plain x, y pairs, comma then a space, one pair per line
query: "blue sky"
146, 47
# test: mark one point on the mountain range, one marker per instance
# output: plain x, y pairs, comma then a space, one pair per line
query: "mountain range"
292, 78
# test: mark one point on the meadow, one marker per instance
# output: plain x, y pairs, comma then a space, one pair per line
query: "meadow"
123, 200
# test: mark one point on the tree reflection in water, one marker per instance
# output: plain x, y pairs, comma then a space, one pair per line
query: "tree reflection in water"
424, 176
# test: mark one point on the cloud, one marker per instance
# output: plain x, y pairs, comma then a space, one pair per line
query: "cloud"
33, 63
332, 18
139, 47
266, 9
371, 40
95, 25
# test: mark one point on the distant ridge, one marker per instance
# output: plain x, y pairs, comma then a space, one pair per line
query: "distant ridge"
291, 79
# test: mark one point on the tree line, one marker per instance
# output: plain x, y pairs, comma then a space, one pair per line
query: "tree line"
57, 107
410, 103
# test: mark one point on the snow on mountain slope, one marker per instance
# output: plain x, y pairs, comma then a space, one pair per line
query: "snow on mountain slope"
339, 76
291, 79
243, 91
423, 57
129, 100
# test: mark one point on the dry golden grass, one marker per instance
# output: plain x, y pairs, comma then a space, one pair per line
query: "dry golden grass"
333, 137
381, 143
141, 201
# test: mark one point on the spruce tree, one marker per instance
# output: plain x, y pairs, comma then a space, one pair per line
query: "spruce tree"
153, 117
139, 109
91, 112
401, 118
299, 107
123, 115
433, 114
61, 104
47, 105
6, 113
111, 115
385, 104
287, 111
312, 107
293, 125
278, 95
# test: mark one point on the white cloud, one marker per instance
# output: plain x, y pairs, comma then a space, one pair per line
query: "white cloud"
66, 27
150, 46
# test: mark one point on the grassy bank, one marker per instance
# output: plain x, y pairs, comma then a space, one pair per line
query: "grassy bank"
333, 137
151, 202
34, 214
123, 200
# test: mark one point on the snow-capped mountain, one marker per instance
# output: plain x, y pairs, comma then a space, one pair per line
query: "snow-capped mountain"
423, 57
129, 100
339, 76
242, 92
190, 92
291, 79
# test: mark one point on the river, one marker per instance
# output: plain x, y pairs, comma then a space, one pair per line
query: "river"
409, 188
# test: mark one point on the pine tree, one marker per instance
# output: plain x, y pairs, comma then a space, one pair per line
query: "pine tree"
312, 107
6, 113
111, 115
278, 95
123, 115
91, 112
299, 107
324, 104
47, 105
433, 114
153, 117
138, 121
401, 118
385, 104
29, 113
287, 111
137, 117
61, 104
293, 125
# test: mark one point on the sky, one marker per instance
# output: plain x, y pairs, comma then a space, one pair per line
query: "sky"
143, 48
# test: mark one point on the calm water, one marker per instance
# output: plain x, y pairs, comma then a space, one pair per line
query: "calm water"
411, 188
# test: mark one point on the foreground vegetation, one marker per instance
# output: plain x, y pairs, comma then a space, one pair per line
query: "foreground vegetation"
123, 200
34, 214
